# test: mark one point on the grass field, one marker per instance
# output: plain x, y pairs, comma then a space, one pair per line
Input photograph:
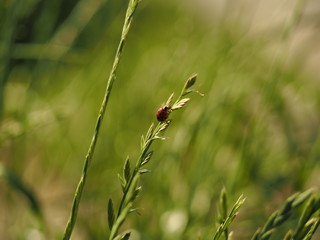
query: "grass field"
255, 131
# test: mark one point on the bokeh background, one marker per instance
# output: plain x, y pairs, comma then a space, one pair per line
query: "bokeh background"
255, 132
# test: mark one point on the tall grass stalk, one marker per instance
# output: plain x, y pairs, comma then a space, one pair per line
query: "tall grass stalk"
130, 179
222, 229
306, 221
223, 211
279, 217
112, 76
313, 229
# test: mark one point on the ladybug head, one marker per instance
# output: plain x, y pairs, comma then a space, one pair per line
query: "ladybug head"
166, 108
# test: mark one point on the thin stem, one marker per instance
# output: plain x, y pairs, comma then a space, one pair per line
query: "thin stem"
144, 151
280, 216
78, 193
130, 184
233, 213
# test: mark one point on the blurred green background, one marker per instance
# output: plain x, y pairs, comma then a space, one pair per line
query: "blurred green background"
256, 130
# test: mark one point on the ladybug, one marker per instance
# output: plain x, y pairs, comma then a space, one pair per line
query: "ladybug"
163, 113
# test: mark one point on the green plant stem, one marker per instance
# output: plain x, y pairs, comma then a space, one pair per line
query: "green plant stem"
129, 182
223, 211
78, 193
135, 172
233, 213
313, 229
132, 182
148, 142
282, 215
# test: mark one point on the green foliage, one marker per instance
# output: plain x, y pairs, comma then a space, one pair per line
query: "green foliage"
282, 215
256, 130
223, 211
223, 227
18, 185
130, 181
78, 193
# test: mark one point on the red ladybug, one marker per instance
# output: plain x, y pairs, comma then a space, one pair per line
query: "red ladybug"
163, 113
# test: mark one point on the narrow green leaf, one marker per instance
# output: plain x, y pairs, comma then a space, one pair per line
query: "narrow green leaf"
313, 229
233, 213
267, 235
147, 158
191, 81
126, 236
158, 137
287, 207
17, 184
122, 182
270, 222
237, 205
302, 198
149, 133
223, 203
316, 206
288, 236
256, 235
305, 230
305, 216
163, 126
133, 210
282, 218
223, 211
126, 170
143, 171
136, 193
180, 104
142, 142
169, 101
110, 214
